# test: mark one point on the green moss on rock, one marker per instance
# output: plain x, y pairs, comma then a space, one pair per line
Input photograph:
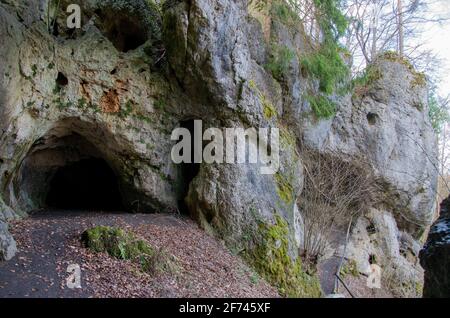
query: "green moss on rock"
268, 254
362, 84
419, 78
322, 106
287, 139
284, 188
269, 111
349, 267
280, 61
124, 245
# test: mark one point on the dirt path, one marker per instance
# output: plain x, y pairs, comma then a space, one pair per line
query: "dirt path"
49, 241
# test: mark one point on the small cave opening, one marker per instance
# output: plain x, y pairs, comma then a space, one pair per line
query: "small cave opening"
188, 171
124, 31
372, 118
61, 80
55, 29
88, 184
371, 229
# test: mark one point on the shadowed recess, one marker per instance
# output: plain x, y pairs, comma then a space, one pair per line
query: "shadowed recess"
188, 170
86, 184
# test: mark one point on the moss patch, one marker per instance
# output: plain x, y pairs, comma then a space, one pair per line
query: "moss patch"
349, 267
322, 106
269, 110
362, 84
280, 61
287, 139
419, 78
124, 245
268, 254
284, 188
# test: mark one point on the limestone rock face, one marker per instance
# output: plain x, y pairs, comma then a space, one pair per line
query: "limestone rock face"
67, 96
377, 240
118, 87
435, 256
388, 127
221, 52
55, 91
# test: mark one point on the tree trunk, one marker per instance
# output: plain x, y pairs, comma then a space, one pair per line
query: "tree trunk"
401, 41
374, 27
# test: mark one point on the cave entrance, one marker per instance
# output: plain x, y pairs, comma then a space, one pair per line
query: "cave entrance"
70, 169
88, 184
188, 171
126, 32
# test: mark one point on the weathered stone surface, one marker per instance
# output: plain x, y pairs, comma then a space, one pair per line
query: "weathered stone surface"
389, 127
376, 239
113, 111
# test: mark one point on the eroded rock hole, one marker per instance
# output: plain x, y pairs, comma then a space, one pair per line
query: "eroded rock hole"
61, 80
124, 32
371, 229
372, 118
55, 29
88, 184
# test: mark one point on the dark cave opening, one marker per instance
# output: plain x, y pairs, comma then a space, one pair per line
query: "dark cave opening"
372, 118
124, 32
188, 170
372, 259
61, 80
88, 184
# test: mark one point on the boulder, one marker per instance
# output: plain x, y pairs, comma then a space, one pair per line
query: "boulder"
8, 246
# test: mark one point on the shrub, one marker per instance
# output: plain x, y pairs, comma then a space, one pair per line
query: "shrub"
279, 61
281, 11
322, 106
335, 192
326, 63
327, 66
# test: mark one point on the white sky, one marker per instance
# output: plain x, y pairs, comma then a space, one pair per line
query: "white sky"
437, 38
